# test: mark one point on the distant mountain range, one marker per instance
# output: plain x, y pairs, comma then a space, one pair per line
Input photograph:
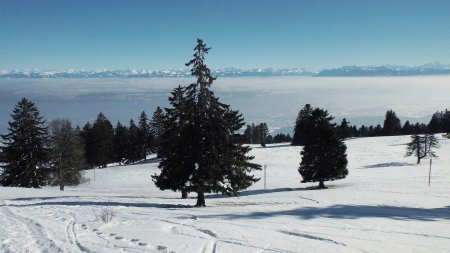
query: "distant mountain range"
388, 70
227, 72
346, 71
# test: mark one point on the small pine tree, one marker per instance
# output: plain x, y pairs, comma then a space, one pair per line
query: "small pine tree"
24, 148
422, 146
323, 157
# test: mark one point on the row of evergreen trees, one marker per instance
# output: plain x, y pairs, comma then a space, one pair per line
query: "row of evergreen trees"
105, 144
259, 134
439, 123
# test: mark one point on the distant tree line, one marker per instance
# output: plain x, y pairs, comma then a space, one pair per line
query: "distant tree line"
105, 144
439, 123
259, 134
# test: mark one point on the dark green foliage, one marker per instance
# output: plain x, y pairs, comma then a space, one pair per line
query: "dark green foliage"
199, 149
422, 146
145, 136
440, 123
134, 144
257, 134
344, 129
407, 129
278, 138
120, 143
302, 126
157, 127
391, 124
323, 156
102, 137
24, 148
88, 142
66, 154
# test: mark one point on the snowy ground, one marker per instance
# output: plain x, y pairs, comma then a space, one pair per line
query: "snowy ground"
385, 205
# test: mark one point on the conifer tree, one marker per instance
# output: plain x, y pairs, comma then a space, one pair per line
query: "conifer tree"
407, 128
422, 146
120, 143
25, 148
200, 151
263, 131
145, 136
344, 130
157, 127
66, 154
391, 124
134, 149
102, 135
88, 143
323, 156
302, 126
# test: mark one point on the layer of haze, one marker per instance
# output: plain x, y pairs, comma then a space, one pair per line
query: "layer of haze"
275, 100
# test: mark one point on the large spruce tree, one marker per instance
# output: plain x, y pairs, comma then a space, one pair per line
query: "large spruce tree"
323, 156
24, 148
200, 150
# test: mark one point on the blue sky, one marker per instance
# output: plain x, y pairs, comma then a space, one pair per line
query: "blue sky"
113, 34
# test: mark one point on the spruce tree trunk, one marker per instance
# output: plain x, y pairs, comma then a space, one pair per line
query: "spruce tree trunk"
321, 184
61, 180
418, 159
184, 194
200, 199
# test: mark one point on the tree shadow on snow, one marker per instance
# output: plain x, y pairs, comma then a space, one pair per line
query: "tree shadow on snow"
384, 165
283, 145
103, 203
260, 191
348, 212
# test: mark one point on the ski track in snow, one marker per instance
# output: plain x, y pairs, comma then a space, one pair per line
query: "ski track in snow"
72, 235
312, 237
24, 232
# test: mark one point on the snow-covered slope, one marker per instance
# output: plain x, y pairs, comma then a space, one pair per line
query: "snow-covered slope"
384, 205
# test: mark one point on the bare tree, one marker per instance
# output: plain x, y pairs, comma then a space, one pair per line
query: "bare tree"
66, 154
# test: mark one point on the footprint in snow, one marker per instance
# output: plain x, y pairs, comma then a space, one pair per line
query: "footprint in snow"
134, 240
142, 244
118, 237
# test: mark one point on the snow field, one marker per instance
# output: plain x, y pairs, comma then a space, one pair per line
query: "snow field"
384, 205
